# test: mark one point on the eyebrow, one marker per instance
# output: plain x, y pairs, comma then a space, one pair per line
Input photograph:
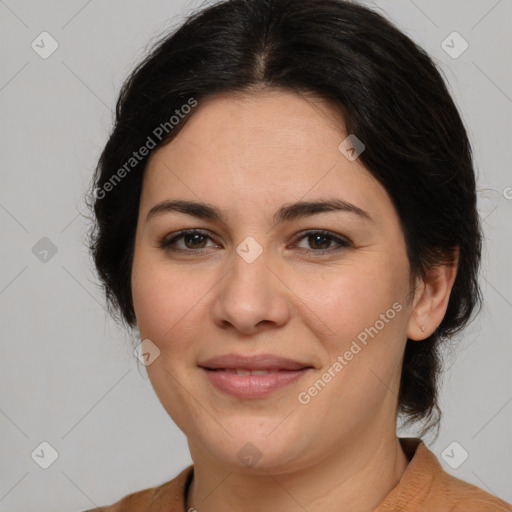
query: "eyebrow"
286, 213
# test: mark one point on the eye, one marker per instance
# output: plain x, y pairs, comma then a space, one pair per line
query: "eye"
322, 240
194, 241
192, 238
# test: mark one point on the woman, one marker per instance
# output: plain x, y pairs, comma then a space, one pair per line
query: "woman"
286, 213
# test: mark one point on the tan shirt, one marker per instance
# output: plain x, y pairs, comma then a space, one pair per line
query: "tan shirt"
424, 487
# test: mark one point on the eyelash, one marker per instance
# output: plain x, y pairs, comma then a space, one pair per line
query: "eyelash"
166, 243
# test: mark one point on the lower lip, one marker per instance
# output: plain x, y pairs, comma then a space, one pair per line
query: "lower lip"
253, 386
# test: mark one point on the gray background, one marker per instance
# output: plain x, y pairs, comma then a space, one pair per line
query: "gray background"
68, 374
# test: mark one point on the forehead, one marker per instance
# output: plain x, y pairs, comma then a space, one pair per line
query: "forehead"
287, 123
266, 149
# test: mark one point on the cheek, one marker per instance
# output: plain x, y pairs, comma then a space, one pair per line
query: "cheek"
345, 300
359, 315
153, 306
168, 308
169, 303
362, 316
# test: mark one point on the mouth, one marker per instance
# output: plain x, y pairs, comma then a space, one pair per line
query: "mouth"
261, 362
245, 372
251, 377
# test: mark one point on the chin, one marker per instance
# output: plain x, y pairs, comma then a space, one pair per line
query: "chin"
252, 449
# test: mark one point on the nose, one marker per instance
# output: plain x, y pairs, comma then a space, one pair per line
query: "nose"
251, 296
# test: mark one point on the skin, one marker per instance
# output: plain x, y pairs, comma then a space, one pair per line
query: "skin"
340, 451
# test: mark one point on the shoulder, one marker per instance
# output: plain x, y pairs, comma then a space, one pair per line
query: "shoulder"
427, 487
466, 497
139, 500
448, 492
170, 495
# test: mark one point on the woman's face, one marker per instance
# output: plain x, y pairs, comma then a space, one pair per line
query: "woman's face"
256, 284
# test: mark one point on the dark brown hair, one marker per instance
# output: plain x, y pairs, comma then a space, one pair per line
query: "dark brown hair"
393, 98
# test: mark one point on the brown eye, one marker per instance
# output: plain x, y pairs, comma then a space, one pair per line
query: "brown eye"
194, 241
320, 242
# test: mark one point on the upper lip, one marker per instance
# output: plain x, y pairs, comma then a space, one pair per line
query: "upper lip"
256, 362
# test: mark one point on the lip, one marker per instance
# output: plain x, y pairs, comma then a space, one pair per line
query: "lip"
252, 386
283, 372
268, 362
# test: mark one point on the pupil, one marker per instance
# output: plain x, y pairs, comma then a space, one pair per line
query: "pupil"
325, 245
195, 237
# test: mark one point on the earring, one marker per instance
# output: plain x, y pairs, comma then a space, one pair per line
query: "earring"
423, 328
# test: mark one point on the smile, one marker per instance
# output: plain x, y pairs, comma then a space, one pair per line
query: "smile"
252, 384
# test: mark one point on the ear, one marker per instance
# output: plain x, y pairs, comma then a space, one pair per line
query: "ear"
431, 300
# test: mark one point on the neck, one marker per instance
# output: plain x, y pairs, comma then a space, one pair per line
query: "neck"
356, 477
